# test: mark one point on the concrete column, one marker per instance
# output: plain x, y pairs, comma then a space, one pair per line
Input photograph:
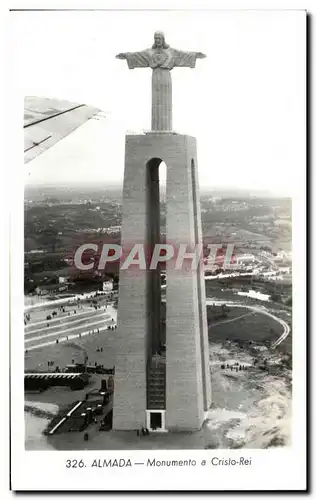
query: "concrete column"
184, 385
131, 345
187, 371
206, 378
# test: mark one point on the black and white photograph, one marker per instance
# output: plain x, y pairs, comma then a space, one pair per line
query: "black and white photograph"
159, 318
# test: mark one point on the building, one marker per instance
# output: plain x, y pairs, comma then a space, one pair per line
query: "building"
245, 258
63, 279
51, 289
107, 286
285, 269
255, 295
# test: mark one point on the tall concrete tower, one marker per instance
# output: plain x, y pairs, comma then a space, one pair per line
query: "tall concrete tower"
162, 377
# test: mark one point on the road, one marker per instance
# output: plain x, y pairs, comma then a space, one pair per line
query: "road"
70, 327
66, 328
66, 300
236, 275
257, 309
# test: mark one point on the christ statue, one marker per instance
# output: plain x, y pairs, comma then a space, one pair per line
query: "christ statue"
161, 58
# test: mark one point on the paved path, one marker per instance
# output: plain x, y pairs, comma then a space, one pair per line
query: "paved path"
65, 300
111, 313
64, 339
213, 325
67, 334
70, 321
91, 326
62, 317
236, 275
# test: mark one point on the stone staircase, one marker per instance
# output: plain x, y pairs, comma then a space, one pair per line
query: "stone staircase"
156, 384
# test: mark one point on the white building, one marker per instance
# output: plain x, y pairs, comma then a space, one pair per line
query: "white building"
245, 258
107, 286
255, 295
285, 270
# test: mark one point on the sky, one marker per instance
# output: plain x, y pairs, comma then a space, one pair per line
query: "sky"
245, 102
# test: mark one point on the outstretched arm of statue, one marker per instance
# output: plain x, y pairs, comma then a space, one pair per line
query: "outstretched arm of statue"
187, 59
135, 59
200, 55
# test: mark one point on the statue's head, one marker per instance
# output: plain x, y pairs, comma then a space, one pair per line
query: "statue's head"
159, 43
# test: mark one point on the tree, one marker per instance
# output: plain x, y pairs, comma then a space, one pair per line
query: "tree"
224, 311
276, 297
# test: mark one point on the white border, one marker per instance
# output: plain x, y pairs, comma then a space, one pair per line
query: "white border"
272, 469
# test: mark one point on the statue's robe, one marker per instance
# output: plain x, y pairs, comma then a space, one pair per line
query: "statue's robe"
161, 61
164, 59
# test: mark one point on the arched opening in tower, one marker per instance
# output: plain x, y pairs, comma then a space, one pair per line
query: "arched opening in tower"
156, 327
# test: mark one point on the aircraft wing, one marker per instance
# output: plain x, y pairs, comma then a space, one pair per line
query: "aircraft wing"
47, 121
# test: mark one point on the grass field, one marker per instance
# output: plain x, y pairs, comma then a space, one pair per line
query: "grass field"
244, 325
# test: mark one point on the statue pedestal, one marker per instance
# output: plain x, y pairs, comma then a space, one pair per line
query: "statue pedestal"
185, 390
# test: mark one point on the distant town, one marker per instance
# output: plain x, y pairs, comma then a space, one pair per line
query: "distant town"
58, 220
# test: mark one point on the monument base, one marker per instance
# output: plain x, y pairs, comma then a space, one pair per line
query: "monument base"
186, 385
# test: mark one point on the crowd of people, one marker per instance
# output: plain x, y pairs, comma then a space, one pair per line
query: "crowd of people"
76, 307
236, 367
